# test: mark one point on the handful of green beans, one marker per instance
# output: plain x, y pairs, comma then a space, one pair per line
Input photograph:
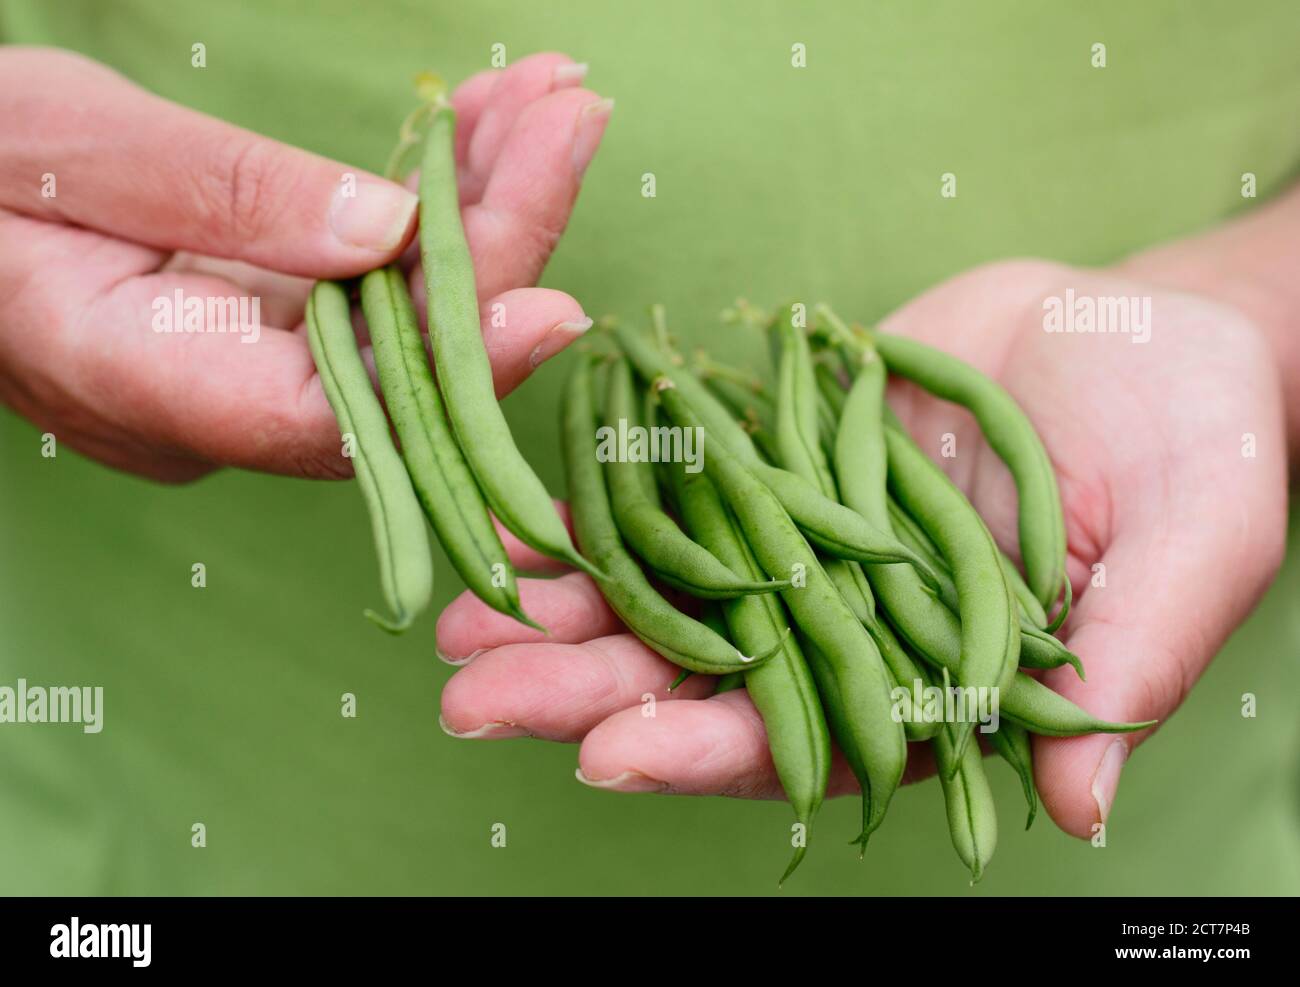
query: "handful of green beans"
849, 573
842, 573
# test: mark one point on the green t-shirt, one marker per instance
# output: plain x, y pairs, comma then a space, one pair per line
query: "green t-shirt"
223, 704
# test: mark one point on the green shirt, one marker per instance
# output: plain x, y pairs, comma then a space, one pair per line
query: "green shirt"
223, 704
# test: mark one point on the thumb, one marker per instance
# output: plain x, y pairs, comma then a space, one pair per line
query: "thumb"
137, 167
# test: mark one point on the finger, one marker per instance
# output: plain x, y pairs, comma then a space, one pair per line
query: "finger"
557, 691
524, 328
570, 607
715, 747
531, 190
176, 179
469, 99
515, 88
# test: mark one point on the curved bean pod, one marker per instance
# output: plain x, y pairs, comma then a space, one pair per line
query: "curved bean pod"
1013, 438
513, 490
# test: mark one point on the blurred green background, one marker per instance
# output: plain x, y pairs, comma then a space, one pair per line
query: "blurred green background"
222, 704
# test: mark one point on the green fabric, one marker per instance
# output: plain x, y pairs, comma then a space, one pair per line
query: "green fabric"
222, 704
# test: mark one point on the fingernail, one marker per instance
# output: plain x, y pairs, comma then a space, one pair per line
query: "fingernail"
569, 74
628, 781
448, 659
492, 730
591, 125
556, 339
372, 214
1106, 781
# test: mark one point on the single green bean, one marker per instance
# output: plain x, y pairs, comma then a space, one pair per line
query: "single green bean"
439, 473
972, 817
1011, 741
1013, 438
846, 664
513, 490
798, 427
654, 620
645, 527
405, 564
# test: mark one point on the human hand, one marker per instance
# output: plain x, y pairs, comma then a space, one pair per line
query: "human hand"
1146, 438
152, 199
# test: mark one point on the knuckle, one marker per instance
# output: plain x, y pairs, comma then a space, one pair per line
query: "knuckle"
238, 191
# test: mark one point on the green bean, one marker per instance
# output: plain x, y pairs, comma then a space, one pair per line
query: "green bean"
1038, 649
990, 642
1011, 741
846, 664
405, 564
782, 690
645, 527
513, 490
797, 425
654, 620
438, 471
1013, 438
972, 818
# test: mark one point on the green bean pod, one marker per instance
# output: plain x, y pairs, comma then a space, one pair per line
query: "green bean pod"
972, 817
513, 491
798, 427
1011, 741
782, 690
645, 527
654, 620
846, 664
438, 472
1013, 438
405, 564
1038, 649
